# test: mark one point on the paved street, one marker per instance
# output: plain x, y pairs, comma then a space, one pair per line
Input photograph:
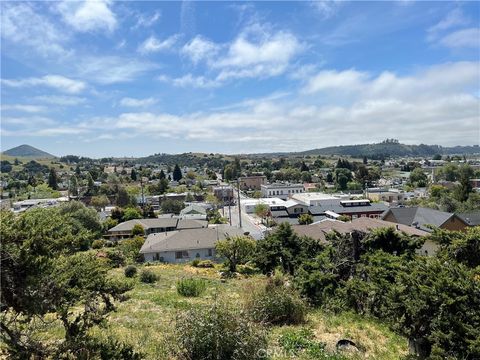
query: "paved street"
248, 224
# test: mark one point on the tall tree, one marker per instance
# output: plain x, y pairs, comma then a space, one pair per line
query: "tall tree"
237, 250
463, 190
73, 186
53, 179
133, 175
177, 173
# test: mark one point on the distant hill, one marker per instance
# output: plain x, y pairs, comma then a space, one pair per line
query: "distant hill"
392, 148
28, 151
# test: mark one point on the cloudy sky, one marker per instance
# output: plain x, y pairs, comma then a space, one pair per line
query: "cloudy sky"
101, 78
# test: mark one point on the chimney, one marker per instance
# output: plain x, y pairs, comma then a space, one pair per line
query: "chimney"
398, 228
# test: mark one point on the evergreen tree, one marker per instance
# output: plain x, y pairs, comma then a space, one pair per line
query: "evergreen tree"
365, 160
73, 186
77, 170
133, 175
304, 167
161, 175
53, 179
90, 184
177, 173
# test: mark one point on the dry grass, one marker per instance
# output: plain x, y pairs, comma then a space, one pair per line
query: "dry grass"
146, 319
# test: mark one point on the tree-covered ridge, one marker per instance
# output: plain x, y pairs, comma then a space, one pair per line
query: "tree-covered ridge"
28, 151
391, 148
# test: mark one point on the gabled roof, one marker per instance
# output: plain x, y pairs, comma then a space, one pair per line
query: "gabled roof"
418, 216
320, 229
472, 219
165, 222
339, 209
193, 208
188, 239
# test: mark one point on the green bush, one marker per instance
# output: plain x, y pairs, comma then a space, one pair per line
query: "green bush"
276, 304
191, 287
247, 269
206, 264
195, 262
295, 342
116, 258
218, 332
148, 277
130, 271
98, 244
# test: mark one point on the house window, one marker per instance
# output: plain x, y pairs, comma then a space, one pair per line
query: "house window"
198, 255
210, 253
181, 254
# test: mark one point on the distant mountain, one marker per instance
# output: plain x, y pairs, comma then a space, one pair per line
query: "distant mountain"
28, 151
392, 148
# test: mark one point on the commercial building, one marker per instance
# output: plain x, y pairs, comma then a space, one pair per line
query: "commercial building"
281, 190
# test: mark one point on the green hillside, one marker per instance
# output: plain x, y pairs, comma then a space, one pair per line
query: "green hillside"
28, 151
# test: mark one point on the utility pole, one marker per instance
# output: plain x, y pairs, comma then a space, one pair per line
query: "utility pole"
229, 208
143, 197
239, 208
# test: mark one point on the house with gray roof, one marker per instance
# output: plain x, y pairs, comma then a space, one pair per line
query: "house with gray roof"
152, 226
186, 245
351, 208
424, 218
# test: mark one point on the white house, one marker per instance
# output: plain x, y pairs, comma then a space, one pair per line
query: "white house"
281, 190
186, 245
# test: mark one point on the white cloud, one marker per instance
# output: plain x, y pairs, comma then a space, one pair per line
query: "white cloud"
326, 8
23, 108
88, 15
112, 69
453, 19
200, 48
61, 100
198, 82
276, 49
469, 38
25, 27
152, 44
348, 80
437, 104
57, 82
131, 102
144, 20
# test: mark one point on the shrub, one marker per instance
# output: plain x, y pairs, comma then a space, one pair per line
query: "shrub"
219, 332
116, 258
191, 287
138, 230
98, 244
247, 269
206, 264
195, 262
276, 304
301, 341
148, 277
130, 271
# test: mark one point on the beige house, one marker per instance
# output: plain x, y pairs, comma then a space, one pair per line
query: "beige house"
253, 182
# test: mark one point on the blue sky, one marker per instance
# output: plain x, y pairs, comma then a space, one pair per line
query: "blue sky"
104, 78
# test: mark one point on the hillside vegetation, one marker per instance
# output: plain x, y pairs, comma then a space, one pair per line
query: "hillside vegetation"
28, 151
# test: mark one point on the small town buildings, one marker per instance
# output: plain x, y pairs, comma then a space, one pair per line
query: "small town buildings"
319, 231
186, 245
152, 226
389, 196
351, 208
23, 205
318, 199
275, 205
422, 217
224, 194
281, 190
253, 182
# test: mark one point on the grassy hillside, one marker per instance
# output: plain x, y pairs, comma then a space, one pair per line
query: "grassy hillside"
28, 151
147, 318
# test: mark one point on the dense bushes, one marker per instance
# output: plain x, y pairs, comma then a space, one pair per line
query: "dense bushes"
277, 303
98, 244
218, 332
130, 271
148, 277
433, 301
191, 287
